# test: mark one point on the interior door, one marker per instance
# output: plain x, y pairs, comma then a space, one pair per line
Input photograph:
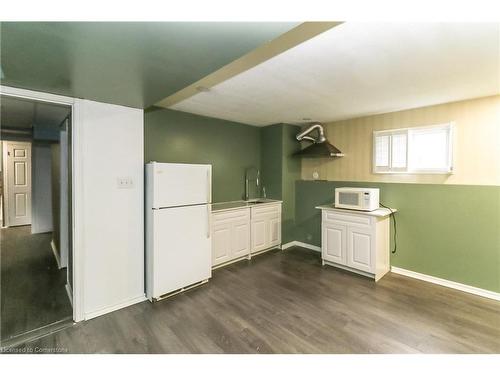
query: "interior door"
18, 183
333, 240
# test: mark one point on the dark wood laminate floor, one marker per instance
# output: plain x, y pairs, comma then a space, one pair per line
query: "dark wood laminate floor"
285, 302
32, 287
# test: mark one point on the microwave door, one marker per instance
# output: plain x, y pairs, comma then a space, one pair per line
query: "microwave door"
349, 199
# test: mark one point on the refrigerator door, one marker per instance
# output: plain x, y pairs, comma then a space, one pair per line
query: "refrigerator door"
172, 185
179, 249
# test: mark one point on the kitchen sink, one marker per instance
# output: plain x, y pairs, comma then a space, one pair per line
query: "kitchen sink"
257, 202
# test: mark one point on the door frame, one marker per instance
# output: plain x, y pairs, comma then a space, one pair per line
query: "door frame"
6, 220
76, 182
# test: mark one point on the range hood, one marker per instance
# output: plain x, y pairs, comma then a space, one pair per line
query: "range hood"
320, 147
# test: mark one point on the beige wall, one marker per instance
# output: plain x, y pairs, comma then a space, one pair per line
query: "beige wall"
476, 144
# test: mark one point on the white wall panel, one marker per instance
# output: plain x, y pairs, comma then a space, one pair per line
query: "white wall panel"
112, 239
41, 220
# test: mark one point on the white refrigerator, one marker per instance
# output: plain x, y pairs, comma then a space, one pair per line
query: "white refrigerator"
178, 244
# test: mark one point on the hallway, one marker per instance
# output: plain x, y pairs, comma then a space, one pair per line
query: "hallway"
33, 290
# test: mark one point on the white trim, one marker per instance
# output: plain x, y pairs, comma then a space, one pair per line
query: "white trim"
347, 268
77, 186
69, 293
77, 211
301, 244
251, 255
447, 283
236, 260
118, 306
56, 255
5, 222
36, 95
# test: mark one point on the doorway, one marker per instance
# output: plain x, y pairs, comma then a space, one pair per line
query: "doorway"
36, 249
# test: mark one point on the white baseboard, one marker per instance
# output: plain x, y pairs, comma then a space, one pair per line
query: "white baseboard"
69, 293
301, 244
447, 283
118, 306
56, 255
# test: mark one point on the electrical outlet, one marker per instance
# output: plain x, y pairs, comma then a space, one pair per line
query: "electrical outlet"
125, 182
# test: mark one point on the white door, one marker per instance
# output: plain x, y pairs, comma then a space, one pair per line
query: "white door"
182, 248
259, 233
179, 184
333, 243
274, 230
18, 173
63, 196
359, 249
241, 238
221, 243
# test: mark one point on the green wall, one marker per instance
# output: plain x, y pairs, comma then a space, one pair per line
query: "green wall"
272, 157
280, 170
179, 137
446, 231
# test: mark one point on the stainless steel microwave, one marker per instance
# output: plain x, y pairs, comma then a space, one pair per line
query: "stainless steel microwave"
363, 199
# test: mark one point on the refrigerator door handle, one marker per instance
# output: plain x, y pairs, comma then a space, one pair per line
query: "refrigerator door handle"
209, 222
209, 200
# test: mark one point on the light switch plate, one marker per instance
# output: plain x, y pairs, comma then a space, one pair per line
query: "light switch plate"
125, 182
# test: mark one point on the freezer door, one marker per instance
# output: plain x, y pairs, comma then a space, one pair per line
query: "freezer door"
182, 249
172, 185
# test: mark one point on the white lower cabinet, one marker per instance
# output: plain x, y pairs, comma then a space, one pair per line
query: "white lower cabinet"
238, 233
266, 227
334, 238
230, 235
356, 242
360, 248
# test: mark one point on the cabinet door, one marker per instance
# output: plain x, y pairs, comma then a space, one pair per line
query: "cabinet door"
259, 233
274, 227
221, 243
360, 249
333, 243
241, 239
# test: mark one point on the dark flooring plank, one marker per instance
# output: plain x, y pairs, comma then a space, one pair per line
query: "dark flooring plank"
32, 287
286, 302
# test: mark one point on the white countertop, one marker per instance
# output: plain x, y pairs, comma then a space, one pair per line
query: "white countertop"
380, 212
235, 205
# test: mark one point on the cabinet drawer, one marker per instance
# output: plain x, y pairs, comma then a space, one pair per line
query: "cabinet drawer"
274, 209
232, 215
346, 218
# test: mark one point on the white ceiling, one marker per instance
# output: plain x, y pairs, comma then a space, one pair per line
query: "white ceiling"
23, 113
358, 69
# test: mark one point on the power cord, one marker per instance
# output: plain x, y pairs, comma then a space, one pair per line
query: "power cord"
395, 228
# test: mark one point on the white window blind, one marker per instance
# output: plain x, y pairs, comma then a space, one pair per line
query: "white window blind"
382, 151
413, 150
399, 149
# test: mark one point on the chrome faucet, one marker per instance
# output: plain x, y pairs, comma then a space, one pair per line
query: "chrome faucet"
249, 178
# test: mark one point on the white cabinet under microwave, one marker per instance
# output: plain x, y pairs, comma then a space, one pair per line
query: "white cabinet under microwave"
363, 199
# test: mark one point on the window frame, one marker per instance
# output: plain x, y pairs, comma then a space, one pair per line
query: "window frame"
449, 126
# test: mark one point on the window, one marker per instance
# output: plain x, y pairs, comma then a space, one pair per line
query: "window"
413, 150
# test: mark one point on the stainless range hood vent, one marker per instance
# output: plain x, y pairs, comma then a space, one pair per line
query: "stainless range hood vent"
320, 147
